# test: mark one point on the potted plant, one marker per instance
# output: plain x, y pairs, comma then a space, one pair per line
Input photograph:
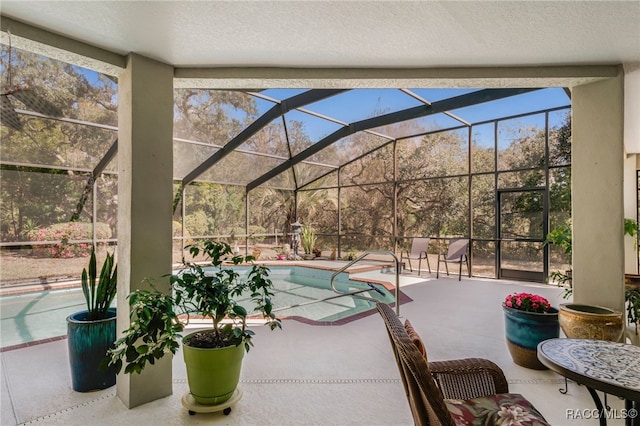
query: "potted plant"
280, 254
529, 320
589, 321
561, 236
308, 240
225, 296
91, 332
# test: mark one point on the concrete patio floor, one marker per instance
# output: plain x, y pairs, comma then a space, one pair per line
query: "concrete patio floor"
309, 374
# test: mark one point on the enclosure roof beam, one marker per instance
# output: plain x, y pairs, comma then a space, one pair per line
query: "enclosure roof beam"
106, 158
442, 106
276, 111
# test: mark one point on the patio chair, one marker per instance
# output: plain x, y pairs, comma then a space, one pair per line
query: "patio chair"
456, 253
454, 392
419, 248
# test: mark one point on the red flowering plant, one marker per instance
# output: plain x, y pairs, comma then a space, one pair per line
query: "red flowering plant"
527, 302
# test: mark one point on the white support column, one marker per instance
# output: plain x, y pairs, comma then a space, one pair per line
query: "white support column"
597, 193
145, 173
630, 211
632, 149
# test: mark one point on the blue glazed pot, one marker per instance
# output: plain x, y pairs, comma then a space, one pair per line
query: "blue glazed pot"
88, 342
524, 330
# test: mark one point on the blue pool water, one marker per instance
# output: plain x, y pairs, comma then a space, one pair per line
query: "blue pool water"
42, 315
301, 292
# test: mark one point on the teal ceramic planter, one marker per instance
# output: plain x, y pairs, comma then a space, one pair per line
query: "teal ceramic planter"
524, 330
88, 342
213, 374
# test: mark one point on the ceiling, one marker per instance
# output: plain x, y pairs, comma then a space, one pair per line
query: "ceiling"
337, 34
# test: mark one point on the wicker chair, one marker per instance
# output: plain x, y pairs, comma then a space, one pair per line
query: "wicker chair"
435, 390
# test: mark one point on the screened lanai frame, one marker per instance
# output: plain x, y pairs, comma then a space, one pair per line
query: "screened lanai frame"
405, 240
370, 125
376, 122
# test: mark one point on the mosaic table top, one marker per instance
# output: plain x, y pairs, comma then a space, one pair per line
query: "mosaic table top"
608, 366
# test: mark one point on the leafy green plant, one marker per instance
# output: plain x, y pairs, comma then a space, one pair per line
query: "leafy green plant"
99, 292
631, 229
561, 236
308, 239
632, 299
157, 319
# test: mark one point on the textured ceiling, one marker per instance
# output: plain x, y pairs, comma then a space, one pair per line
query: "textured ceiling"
348, 33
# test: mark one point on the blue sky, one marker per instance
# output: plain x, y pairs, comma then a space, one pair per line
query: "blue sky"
363, 103
360, 104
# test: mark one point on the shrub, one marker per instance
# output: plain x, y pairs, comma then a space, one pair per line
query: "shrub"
66, 233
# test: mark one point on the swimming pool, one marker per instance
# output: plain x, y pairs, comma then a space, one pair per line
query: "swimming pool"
305, 293
299, 293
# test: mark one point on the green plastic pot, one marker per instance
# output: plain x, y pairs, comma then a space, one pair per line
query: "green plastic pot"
213, 374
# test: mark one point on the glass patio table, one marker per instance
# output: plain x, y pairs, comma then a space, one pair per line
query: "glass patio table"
611, 367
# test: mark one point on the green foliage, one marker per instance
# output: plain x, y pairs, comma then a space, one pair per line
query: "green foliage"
308, 239
29, 225
50, 195
156, 317
65, 233
630, 227
429, 181
214, 209
255, 231
198, 223
561, 236
99, 292
632, 299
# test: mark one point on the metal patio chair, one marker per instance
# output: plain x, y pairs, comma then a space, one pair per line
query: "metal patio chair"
419, 249
456, 253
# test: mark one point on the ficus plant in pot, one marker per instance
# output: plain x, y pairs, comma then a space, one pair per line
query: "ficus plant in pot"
92, 332
222, 293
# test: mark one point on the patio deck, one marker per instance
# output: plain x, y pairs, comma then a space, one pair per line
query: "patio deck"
308, 374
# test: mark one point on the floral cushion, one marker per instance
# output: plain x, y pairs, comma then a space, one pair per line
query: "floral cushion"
507, 409
415, 338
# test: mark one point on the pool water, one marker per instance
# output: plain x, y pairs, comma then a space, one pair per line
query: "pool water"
37, 316
299, 292
306, 292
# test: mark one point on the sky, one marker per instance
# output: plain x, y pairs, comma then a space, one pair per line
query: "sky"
364, 103
360, 104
